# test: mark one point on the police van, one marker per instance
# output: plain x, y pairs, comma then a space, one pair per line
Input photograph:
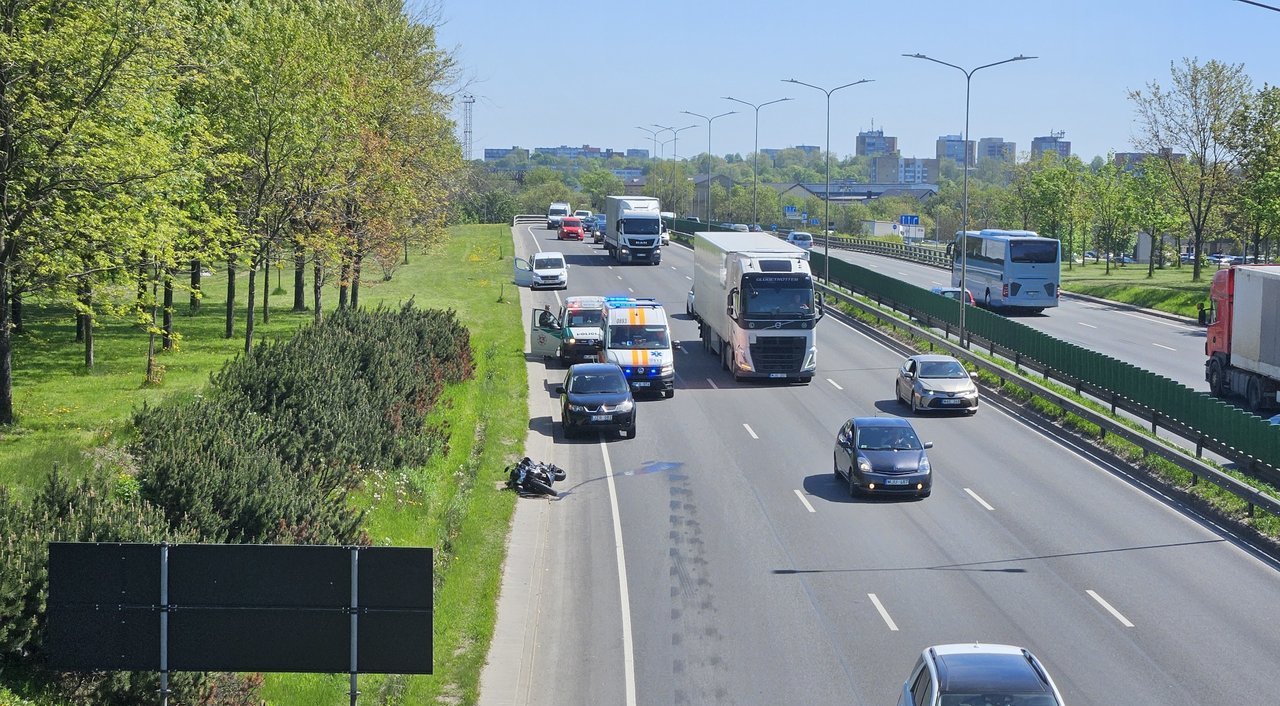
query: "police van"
638, 339
574, 335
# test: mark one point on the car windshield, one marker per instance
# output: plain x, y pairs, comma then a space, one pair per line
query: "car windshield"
777, 297
586, 317
572, 222
998, 699
598, 383
888, 439
641, 226
558, 212
548, 263
942, 369
639, 337
801, 236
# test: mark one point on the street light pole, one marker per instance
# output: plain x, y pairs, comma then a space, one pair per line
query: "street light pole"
709, 121
826, 196
755, 154
964, 207
654, 135
675, 154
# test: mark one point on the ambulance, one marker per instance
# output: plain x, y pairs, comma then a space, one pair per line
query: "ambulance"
638, 339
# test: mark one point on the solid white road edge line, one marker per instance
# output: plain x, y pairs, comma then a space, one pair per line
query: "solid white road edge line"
834, 384
749, 431
1114, 613
980, 500
628, 649
804, 500
536, 244
883, 613
1084, 324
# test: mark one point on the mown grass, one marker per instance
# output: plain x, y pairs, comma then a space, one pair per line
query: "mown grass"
1169, 289
72, 417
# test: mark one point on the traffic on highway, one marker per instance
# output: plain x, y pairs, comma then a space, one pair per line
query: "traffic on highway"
733, 548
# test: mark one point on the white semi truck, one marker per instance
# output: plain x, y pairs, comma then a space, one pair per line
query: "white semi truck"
633, 228
756, 305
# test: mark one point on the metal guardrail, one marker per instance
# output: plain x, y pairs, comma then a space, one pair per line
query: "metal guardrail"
1182, 459
528, 218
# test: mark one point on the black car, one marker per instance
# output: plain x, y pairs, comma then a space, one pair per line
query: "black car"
882, 456
596, 396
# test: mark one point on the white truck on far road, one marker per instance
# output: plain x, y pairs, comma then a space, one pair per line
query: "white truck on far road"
756, 305
633, 228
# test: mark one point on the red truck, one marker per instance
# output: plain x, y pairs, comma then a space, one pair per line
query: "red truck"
1243, 340
570, 229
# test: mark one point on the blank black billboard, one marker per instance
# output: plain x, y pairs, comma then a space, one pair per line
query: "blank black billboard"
251, 608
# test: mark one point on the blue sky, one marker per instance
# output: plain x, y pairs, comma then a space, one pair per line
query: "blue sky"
577, 72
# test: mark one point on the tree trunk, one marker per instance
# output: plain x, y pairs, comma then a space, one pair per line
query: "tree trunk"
266, 283
152, 377
317, 291
299, 278
142, 280
81, 295
248, 324
406, 245
344, 278
6, 351
195, 286
84, 323
231, 297
167, 339
16, 303
355, 282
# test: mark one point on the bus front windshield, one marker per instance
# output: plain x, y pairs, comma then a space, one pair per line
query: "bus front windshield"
1035, 252
777, 297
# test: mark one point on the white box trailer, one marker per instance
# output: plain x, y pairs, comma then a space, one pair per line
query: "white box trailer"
754, 298
633, 228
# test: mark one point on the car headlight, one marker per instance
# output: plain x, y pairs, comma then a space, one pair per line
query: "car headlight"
571, 341
625, 406
924, 465
577, 408
668, 369
864, 465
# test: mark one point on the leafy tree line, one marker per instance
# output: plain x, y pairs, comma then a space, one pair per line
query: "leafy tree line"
268, 455
143, 142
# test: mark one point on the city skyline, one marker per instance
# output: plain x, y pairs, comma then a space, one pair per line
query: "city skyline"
578, 75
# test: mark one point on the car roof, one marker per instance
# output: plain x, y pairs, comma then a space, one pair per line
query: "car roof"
549, 253
977, 668
594, 368
933, 358
881, 422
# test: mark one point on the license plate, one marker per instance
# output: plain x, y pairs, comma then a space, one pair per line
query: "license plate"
601, 417
895, 481
642, 255
640, 383
777, 375
953, 402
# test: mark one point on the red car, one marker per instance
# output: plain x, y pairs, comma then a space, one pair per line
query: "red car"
570, 229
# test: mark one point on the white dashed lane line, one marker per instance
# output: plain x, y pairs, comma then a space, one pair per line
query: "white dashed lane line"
979, 499
1084, 324
1114, 613
804, 500
834, 384
749, 430
1157, 345
883, 613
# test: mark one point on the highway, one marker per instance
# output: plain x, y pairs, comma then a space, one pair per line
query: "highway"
749, 576
1165, 347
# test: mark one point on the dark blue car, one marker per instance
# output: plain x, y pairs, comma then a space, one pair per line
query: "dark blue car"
596, 397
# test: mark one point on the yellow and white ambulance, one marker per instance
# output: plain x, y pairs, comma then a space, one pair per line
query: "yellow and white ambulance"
638, 339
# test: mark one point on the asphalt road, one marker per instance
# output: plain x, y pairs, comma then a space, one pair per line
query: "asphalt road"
752, 578
1169, 348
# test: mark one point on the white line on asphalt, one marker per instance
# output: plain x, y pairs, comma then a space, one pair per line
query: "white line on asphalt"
1078, 322
935, 282
834, 384
904, 274
1114, 613
883, 613
673, 267
1157, 345
980, 500
628, 650
713, 384
630, 289
804, 500
688, 278
619, 276
749, 431
1156, 320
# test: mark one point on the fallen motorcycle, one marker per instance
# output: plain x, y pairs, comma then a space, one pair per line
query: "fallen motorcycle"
529, 477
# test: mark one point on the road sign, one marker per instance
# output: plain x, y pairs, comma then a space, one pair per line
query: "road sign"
909, 220
814, 221
804, 216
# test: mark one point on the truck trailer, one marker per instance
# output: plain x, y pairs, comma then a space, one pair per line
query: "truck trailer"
1242, 345
756, 305
633, 228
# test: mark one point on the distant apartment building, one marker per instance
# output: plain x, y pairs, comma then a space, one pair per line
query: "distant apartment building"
1132, 161
640, 153
494, 154
872, 143
904, 170
1052, 142
996, 148
956, 149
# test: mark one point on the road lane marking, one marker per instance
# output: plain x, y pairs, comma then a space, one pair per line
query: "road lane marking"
628, 649
688, 278
834, 384
1157, 345
804, 500
980, 500
939, 283
1078, 322
749, 431
1114, 613
883, 613
629, 289
713, 384
619, 276
904, 274
1154, 320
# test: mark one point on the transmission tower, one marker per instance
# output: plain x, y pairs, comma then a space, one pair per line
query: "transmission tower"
468, 100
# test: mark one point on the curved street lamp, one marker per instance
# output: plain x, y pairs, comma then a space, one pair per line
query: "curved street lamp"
654, 135
826, 196
709, 121
964, 208
755, 154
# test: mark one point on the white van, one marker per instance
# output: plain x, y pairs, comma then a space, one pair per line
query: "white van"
546, 270
638, 339
556, 212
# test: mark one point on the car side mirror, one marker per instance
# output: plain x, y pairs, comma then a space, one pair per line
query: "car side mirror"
928, 444
973, 375
559, 389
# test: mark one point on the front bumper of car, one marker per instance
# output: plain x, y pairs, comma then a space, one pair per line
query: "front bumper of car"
882, 483
930, 399
602, 419
650, 378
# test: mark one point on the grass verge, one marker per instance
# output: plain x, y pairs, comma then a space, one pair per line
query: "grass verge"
76, 419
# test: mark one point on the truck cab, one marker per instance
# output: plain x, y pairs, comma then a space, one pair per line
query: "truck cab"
637, 338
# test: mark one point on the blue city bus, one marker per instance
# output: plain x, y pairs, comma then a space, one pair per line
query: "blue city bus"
1008, 269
